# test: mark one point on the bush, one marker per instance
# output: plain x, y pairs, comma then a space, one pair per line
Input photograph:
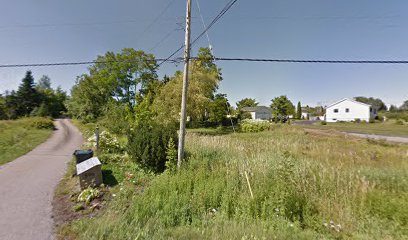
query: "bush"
249, 125
108, 143
147, 145
399, 122
372, 120
323, 123
40, 123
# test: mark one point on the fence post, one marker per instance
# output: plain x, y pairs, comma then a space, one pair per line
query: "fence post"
97, 138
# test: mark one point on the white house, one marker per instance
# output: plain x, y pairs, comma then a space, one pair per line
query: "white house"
350, 110
259, 113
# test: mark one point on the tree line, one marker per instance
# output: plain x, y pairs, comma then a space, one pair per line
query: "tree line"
33, 99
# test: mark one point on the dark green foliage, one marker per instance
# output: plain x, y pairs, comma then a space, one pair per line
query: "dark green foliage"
27, 96
246, 102
147, 145
404, 106
282, 107
299, 111
40, 123
219, 109
373, 101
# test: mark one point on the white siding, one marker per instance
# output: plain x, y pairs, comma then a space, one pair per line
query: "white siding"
348, 110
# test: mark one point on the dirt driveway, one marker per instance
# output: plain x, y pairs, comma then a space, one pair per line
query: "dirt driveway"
27, 185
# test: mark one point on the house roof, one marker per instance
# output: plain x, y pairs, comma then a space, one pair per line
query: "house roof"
256, 109
87, 164
351, 100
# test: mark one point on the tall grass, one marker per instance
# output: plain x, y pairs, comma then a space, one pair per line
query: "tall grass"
304, 187
20, 136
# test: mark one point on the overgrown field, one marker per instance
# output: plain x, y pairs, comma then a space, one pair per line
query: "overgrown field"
21, 136
389, 128
304, 186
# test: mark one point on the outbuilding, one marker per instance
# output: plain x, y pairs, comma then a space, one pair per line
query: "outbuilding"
350, 110
259, 112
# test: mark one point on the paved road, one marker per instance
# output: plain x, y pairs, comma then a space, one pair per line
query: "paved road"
378, 137
27, 185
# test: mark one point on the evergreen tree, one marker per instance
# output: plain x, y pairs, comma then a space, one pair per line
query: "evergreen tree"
299, 111
27, 95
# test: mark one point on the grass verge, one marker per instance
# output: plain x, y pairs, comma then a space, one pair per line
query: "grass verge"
18, 137
304, 186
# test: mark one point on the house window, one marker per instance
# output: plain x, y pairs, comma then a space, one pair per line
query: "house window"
371, 109
336, 110
347, 110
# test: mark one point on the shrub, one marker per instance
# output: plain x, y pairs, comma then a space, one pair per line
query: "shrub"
41, 123
109, 143
248, 125
88, 195
372, 120
323, 123
399, 122
147, 145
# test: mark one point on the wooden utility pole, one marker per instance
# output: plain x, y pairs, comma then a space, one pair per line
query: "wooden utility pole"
183, 114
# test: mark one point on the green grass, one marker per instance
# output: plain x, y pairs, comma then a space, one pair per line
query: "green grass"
304, 186
19, 137
387, 129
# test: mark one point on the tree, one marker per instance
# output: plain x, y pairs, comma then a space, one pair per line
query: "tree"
44, 82
3, 114
218, 108
299, 111
128, 72
282, 107
27, 95
404, 106
393, 108
203, 83
372, 101
123, 76
246, 102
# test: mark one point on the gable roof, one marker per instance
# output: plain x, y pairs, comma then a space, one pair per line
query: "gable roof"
256, 109
348, 99
87, 164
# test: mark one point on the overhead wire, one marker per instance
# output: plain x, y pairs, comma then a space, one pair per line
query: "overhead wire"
212, 52
215, 20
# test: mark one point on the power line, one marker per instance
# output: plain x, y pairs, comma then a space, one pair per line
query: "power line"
178, 60
315, 61
77, 63
218, 17
156, 19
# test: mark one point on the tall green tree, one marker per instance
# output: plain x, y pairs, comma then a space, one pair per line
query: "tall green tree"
203, 84
282, 107
27, 95
404, 106
299, 111
44, 82
246, 102
123, 77
372, 101
219, 109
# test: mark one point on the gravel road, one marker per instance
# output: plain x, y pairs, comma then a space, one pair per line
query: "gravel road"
27, 185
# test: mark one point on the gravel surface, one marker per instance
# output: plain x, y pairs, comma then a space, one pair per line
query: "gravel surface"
379, 137
27, 185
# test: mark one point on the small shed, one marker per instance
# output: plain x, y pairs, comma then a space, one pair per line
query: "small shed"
259, 112
89, 172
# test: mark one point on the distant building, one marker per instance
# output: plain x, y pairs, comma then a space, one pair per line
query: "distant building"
259, 112
350, 110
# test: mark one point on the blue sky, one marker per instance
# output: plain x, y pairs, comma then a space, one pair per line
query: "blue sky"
65, 31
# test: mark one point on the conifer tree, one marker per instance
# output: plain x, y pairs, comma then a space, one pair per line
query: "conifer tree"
299, 111
27, 95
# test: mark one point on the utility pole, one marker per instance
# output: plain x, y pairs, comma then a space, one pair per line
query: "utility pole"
183, 115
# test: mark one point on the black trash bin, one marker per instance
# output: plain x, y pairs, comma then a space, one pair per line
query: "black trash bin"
82, 155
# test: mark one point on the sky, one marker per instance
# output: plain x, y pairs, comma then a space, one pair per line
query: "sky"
44, 31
